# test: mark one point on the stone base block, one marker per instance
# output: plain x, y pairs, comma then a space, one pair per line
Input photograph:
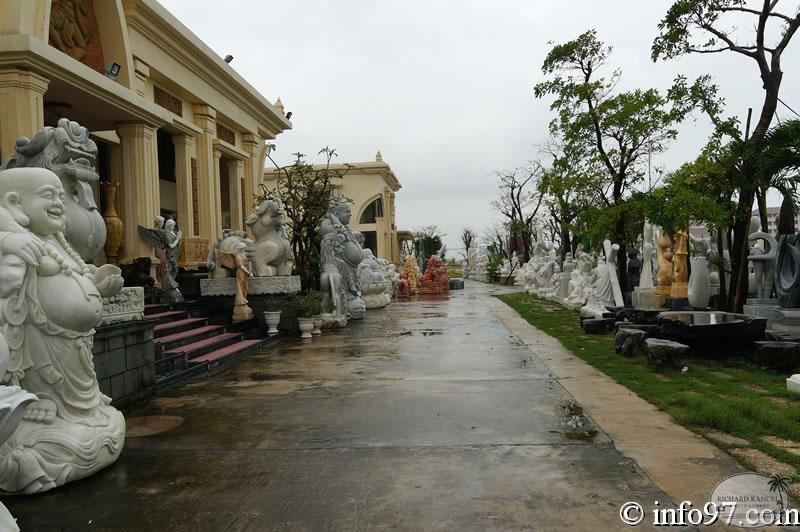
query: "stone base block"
793, 384
289, 284
128, 305
647, 299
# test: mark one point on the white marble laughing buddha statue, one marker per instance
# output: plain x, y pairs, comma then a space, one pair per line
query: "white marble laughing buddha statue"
50, 302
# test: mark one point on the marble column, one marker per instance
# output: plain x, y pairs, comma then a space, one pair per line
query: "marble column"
235, 177
21, 107
253, 168
139, 186
183, 180
216, 199
210, 217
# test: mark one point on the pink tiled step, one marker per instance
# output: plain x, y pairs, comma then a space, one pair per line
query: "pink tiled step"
164, 329
168, 316
228, 350
203, 346
184, 336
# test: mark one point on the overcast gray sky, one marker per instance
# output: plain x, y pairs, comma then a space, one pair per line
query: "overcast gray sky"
444, 87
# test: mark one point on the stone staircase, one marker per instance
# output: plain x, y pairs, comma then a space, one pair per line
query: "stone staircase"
190, 338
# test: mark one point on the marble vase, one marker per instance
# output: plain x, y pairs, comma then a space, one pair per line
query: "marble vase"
699, 283
272, 318
114, 226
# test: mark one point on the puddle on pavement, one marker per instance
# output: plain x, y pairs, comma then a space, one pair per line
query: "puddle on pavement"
143, 426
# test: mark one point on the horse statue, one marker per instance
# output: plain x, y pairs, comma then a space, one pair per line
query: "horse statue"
270, 255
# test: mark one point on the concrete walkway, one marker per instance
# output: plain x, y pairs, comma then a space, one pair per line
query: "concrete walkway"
428, 415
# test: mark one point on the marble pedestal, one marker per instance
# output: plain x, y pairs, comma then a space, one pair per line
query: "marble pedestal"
256, 286
786, 321
258, 290
764, 308
128, 305
647, 299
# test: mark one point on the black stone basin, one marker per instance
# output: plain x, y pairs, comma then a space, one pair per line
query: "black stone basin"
711, 328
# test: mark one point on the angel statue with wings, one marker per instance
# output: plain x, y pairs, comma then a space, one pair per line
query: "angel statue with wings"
167, 242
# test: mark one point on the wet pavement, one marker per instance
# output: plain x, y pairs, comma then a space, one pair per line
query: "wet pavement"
427, 415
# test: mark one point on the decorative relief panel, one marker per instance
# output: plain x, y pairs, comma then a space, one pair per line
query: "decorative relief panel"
167, 101
223, 133
74, 31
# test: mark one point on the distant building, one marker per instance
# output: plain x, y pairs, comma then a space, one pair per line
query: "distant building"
372, 187
772, 219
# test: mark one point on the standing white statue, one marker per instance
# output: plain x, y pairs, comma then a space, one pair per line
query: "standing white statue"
51, 301
167, 244
646, 278
763, 260
270, 254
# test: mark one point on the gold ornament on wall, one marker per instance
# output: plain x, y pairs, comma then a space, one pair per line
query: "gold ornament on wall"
114, 226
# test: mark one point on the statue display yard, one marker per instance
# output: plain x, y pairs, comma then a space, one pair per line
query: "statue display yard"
52, 301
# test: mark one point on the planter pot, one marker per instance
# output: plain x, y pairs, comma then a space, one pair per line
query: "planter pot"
306, 325
317, 324
272, 319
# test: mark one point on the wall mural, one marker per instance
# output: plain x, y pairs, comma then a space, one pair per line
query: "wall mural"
74, 31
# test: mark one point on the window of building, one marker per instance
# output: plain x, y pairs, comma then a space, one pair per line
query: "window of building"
373, 210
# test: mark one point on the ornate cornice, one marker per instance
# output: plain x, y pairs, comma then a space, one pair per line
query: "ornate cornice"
165, 31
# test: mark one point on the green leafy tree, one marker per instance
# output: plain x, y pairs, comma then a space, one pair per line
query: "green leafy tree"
431, 238
614, 131
710, 27
305, 192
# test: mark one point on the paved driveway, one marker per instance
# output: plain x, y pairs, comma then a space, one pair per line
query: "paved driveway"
428, 415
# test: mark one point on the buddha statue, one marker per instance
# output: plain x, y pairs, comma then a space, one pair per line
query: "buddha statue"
51, 302
342, 255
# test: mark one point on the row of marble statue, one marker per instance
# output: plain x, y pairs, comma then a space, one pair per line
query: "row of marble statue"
55, 424
591, 284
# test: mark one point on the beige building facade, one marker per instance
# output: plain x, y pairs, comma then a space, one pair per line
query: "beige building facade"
372, 187
176, 127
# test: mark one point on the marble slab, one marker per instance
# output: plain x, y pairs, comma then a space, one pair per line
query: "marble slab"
288, 284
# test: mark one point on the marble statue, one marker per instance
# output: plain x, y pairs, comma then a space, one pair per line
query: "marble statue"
665, 268
51, 300
604, 292
409, 277
390, 272
271, 249
340, 262
472, 262
581, 281
167, 243
435, 280
237, 262
679, 289
646, 277
699, 284
376, 288
763, 259
69, 152
231, 241
564, 279
13, 401
787, 275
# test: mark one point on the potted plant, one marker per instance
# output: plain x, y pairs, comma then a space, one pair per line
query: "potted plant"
272, 315
314, 300
306, 310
